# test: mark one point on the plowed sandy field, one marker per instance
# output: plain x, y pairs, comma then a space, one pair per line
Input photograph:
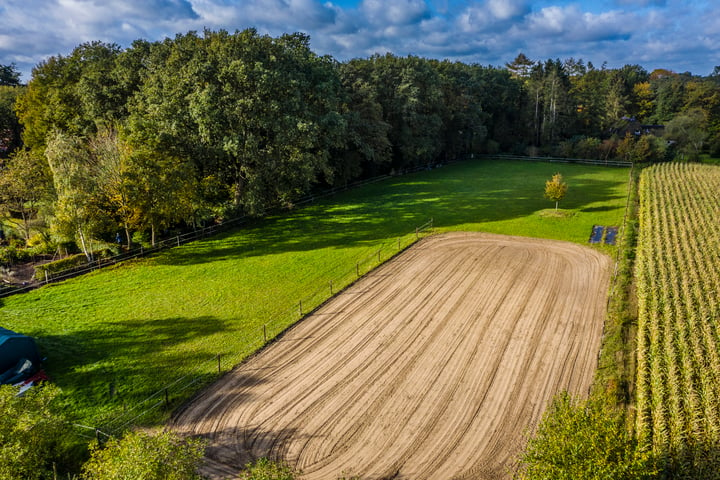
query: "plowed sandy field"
434, 366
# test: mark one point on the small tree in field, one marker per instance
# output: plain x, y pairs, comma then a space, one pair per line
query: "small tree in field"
555, 189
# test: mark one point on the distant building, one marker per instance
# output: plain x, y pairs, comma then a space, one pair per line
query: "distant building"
632, 126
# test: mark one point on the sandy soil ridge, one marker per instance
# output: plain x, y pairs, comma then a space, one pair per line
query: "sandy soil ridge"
434, 366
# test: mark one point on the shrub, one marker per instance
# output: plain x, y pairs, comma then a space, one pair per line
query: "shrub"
583, 439
59, 265
140, 455
33, 434
264, 469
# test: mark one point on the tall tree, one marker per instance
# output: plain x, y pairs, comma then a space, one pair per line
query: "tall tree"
521, 67
160, 191
367, 148
74, 94
10, 129
9, 75
278, 117
463, 117
25, 185
79, 211
689, 131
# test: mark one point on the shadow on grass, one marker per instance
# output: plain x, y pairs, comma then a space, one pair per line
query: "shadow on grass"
127, 359
464, 193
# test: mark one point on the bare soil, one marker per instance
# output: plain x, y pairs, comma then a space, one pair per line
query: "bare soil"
435, 366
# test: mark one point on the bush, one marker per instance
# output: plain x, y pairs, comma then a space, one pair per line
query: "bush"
264, 469
59, 265
140, 455
584, 439
33, 433
13, 254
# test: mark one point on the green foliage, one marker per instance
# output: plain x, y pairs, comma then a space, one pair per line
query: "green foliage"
264, 469
78, 211
59, 265
616, 369
140, 325
33, 433
25, 186
10, 129
586, 439
689, 132
555, 189
12, 254
141, 455
9, 76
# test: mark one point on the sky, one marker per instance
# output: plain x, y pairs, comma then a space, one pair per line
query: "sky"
678, 35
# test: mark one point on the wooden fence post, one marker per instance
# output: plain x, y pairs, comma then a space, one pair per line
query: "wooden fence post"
331, 289
300, 308
357, 268
264, 333
218, 360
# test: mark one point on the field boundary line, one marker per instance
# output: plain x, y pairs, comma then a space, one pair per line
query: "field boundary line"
169, 396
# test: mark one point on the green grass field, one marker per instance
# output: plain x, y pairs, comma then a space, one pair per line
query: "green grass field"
114, 337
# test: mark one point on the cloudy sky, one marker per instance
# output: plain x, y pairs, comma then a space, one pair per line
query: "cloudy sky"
679, 35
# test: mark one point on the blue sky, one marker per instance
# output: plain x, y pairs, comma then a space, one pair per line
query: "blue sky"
679, 35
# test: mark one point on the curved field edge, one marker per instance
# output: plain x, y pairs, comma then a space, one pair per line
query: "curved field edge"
116, 337
432, 366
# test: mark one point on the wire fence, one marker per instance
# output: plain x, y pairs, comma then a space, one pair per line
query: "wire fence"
581, 161
209, 231
161, 403
177, 240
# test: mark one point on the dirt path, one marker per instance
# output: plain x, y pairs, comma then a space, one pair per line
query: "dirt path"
432, 367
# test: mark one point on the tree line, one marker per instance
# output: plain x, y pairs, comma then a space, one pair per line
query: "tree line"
109, 144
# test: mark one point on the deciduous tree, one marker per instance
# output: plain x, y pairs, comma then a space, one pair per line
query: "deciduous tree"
25, 185
10, 130
9, 75
33, 433
555, 189
79, 211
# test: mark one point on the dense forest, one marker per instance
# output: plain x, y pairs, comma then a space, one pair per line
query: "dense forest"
110, 146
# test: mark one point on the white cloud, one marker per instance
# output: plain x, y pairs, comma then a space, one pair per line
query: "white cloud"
399, 12
507, 9
659, 33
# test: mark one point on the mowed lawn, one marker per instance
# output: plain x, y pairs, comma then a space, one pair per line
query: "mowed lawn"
115, 337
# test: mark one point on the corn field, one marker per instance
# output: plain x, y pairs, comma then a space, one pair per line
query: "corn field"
678, 282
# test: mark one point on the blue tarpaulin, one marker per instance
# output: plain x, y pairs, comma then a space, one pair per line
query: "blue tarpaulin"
611, 235
597, 234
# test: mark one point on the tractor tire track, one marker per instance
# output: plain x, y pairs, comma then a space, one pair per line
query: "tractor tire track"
434, 366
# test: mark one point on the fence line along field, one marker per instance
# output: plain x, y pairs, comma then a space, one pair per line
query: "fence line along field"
434, 366
678, 364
